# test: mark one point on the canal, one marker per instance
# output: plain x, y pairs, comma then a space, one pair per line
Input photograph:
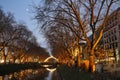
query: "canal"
33, 74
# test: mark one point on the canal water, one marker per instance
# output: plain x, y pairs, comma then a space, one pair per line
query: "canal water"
33, 74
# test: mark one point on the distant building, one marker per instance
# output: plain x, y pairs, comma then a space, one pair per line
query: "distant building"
111, 36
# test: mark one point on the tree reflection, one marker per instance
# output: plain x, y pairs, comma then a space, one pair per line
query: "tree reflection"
29, 74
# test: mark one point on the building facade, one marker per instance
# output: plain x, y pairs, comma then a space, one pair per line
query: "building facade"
111, 36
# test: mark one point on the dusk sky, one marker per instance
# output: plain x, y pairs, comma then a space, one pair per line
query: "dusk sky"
21, 9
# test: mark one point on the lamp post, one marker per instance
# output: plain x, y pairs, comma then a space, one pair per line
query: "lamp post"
81, 44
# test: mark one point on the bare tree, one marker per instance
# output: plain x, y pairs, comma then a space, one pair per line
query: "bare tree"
6, 28
16, 41
85, 14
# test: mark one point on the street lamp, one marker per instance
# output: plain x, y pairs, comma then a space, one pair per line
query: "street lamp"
81, 44
78, 51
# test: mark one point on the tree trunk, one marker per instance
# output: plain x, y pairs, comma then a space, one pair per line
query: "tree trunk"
78, 60
19, 60
4, 58
91, 61
13, 60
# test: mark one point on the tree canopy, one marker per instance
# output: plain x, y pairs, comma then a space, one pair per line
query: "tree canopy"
67, 22
17, 39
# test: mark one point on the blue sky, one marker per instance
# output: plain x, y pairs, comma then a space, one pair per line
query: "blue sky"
21, 9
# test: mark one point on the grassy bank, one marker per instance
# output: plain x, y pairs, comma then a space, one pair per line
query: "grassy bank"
10, 68
72, 73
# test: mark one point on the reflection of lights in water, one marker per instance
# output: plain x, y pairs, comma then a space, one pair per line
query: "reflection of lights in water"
29, 70
49, 76
51, 70
10, 76
50, 73
6, 77
1, 77
36, 72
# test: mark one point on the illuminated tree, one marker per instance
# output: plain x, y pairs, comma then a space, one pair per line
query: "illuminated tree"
6, 28
84, 14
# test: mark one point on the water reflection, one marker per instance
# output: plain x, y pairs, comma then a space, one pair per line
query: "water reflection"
49, 77
51, 70
29, 74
